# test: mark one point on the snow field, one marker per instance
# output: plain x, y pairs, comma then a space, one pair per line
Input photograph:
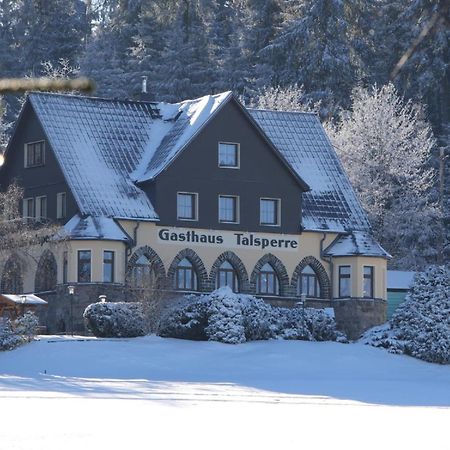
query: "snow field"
146, 392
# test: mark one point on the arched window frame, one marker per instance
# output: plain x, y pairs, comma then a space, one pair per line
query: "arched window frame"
268, 282
227, 273
185, 276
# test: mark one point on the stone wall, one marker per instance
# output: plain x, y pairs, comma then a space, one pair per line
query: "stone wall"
62, 309
356, 315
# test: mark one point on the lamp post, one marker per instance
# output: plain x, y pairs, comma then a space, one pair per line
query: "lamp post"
303, 297
71, 294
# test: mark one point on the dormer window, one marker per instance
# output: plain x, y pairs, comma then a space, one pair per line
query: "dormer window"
34, 154
229, 155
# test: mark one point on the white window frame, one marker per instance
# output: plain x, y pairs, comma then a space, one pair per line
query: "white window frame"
278, 200
238, 155
61, 205
25, 210
195, 194
25, 154
38, 208
237, 208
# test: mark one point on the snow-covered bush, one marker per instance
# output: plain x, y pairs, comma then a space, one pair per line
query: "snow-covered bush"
186, 320
121, 319
17, 332
26, 325
235, 318
420, 327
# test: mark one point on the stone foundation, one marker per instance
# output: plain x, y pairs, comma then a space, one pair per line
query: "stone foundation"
356, 315
62, 311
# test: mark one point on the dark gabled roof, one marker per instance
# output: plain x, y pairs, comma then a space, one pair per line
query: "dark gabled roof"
181, 123
331, 204
357, 243
98, 144
104, 147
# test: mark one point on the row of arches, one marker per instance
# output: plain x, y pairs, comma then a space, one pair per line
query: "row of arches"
13, 273
187, 272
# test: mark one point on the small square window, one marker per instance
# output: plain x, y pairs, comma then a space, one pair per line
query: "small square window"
228, 155
228, 209
187, 206
35, 154
269, 211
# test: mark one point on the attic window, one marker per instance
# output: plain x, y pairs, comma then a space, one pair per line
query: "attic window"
229, 155
35, 154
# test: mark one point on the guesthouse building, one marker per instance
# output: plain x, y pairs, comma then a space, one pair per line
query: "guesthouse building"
187, 197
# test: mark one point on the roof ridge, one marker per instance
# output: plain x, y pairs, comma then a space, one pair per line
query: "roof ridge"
88, 97
281, 111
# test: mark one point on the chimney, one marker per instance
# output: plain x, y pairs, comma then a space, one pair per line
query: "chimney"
144, 96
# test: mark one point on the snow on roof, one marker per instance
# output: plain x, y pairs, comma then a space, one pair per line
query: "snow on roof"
105, 146
25, 299
398, 279
187, 119
331, 205
94, 228
98, 143
356, 243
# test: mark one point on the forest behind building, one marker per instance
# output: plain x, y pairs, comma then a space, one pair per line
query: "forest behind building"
334, 57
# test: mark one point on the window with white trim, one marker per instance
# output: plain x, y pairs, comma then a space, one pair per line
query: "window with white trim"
61, 206
269, 211
226, 276
186, 278
35, 154
228, 208
345, 286
267, 282
308, 283
187, 206
368, 279
28, 210
228, 155
41, 207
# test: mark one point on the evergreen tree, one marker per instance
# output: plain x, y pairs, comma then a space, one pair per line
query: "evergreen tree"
314, 50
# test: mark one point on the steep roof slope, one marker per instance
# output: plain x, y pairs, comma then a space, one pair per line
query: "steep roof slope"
187, 119
98, 143
331, 204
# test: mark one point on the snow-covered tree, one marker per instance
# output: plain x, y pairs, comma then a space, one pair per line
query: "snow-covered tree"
19, 234
290, 98
420, 327
385, 145
3, 129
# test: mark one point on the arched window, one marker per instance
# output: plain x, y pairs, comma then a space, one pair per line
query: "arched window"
308, 283
226, 276
12, 281
186, 278
142, 274
45, 279
268, 283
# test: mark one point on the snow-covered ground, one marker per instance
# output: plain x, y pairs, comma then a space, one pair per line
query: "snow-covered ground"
64, 393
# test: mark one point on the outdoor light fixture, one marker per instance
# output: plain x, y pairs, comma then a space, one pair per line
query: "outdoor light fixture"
102, 298
71, 293
23, 298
